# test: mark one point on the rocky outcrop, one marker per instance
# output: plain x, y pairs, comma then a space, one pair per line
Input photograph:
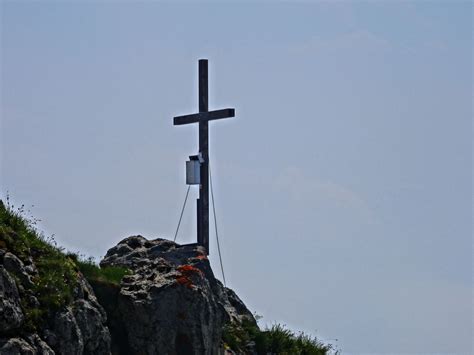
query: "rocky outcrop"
11, 314
77, 328
171, 303
29, 345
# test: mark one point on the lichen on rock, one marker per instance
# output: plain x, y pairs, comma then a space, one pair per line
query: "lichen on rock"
171, 303
161, 298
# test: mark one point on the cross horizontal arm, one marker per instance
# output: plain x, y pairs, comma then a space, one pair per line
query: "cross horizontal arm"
204, 116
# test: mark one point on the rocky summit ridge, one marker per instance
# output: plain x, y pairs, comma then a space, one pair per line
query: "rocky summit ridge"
146, 297
77, 328
168, 303
171, 302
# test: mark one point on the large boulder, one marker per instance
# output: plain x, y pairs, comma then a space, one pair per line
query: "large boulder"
65, 336
16, 267
171, 303
80, 328
11, 314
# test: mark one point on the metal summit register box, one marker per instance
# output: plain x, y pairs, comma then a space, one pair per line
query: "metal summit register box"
193, 170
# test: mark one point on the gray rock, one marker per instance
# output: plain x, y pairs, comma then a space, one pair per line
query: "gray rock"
65, 335
81, 328
17, 346
15, 266
172, 303
40, 346
30, 344
236, 308
78, 329
33, 301
91, 322
11, 315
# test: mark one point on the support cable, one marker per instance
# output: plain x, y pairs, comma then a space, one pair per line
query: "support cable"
215, 225
181, 216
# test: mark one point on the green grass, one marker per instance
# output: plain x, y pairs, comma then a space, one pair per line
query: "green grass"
57, 271
275, 340
57, 274
91, 271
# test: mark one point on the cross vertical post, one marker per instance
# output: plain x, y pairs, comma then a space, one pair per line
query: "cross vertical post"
203, 201
203, 118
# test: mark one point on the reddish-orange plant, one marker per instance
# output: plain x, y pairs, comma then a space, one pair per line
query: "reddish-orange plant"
186, 271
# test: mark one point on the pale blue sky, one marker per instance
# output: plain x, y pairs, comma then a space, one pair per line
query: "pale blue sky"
343, 184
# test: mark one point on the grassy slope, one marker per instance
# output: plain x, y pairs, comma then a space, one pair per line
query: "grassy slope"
57, 274
57, 271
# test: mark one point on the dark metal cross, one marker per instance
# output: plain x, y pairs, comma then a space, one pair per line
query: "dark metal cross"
203, 117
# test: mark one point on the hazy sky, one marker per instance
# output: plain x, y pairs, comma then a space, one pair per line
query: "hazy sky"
343, 184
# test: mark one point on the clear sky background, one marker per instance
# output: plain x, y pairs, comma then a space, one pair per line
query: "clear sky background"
343, 184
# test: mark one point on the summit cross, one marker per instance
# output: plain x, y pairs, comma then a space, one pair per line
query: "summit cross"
203, 118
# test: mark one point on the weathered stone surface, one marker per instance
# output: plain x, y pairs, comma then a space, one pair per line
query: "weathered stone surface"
16, 267
17, 346
91, 321
236, 309
78, 329
11, 315
65, 336
40, 346
81, 328
172, 303
30, 344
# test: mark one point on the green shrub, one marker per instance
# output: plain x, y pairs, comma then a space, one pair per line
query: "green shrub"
110, 274
275, 340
